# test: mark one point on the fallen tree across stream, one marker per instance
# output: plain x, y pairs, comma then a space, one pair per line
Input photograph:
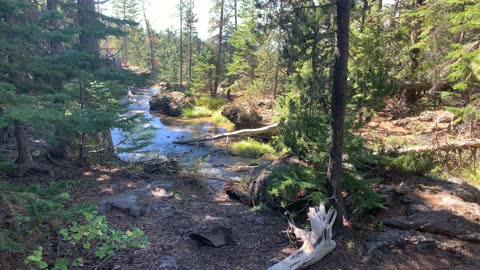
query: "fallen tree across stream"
239, 133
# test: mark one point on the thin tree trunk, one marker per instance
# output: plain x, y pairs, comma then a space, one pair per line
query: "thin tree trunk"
364, 14
235, 13
339, 94
218, 66
125, 38
150, 40
190, 58
59, 148
181, 43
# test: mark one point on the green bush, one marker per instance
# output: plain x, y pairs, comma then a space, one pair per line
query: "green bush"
209, 102
296, 187
410, 163
196, 112
251, 148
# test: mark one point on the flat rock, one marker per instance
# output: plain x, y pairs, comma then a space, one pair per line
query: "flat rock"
216, 236
140, 202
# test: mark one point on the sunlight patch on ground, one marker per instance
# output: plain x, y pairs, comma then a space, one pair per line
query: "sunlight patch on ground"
103, 177
107, 190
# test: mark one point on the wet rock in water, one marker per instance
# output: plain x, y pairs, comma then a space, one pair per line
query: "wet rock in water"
139, 202
169, 103
214, 236
167, 263
243, 116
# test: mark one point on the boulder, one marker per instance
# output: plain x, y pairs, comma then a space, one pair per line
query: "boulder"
445, 117
243, 116
169, 103
140, 202
427, 116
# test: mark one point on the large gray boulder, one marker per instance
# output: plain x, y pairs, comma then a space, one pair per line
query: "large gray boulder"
170, 103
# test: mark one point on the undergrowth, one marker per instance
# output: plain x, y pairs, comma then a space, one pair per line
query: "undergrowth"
209, 102
36, 213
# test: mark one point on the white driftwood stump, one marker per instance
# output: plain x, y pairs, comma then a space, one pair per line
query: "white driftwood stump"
316, 243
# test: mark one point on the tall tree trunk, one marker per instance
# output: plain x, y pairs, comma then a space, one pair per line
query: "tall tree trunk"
190, 56
59, 148
235, 13
86, 14
218, 65
181, 43
125, 38
339, 94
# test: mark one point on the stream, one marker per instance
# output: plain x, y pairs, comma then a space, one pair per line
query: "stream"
206, 159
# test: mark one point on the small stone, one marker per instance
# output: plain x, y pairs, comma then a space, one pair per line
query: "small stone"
167, 263
427, 116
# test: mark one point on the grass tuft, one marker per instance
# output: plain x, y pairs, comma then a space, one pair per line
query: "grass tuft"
211, 103
196, 112
252, 148
218, 117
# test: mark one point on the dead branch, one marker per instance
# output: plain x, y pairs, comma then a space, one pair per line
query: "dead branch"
239, 133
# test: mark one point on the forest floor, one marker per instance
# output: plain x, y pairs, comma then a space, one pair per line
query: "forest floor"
428, 224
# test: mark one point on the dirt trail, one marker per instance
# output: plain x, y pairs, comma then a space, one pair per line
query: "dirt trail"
427, 225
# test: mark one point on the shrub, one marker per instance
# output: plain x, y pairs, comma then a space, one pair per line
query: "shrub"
209, 102
296, 187
251, 148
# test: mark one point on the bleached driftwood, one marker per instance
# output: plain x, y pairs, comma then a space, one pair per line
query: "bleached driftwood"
474, 143
239, 133
316, 243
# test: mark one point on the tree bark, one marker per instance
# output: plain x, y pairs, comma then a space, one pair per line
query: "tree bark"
339, 94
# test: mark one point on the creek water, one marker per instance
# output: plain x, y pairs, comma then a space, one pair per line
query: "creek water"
206, 159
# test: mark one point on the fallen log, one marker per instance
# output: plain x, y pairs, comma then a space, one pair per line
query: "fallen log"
316, 243
239, 133
474, 143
